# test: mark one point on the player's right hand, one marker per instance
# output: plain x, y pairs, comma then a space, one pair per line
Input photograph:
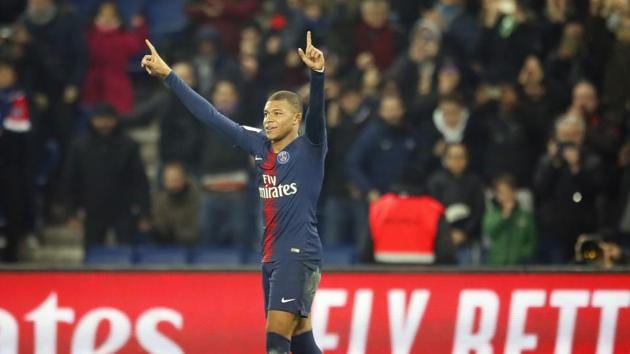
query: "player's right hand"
153, 63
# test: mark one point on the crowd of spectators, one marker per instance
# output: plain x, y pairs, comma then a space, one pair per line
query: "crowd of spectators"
513, 114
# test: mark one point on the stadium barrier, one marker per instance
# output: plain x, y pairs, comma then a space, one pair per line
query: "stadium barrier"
209, 311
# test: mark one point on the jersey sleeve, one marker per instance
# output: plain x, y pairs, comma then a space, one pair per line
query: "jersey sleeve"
315, 117
249, 139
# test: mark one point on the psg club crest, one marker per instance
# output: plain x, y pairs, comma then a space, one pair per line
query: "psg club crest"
283, 157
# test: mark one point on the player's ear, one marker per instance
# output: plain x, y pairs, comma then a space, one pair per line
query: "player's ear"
297, 118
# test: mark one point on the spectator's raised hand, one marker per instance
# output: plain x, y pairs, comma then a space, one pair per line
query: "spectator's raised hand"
153, 63
311, 56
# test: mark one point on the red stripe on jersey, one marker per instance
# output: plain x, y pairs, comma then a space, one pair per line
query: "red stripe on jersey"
270, 211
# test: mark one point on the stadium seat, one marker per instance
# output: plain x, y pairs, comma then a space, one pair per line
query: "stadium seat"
155, 255
253, 257
104, 255
339, 255
225, 256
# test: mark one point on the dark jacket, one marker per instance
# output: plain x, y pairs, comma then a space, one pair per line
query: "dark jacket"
60, 52
466, 190
503, 48
381, 154
508, 147
217, 156
180, 133
106, 176
341, 137
472, 137
567, 202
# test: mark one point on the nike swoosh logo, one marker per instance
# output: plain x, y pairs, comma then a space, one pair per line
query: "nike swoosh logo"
284, 301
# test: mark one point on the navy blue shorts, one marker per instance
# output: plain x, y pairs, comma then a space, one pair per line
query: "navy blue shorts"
290, 285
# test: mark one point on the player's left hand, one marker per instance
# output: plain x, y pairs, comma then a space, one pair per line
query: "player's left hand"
311, 56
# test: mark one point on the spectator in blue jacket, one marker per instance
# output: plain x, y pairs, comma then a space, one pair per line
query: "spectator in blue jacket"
384, 150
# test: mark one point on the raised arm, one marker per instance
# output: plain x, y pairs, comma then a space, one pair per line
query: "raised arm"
248, 140
315, 119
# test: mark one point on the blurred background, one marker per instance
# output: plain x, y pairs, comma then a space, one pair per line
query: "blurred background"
460, 132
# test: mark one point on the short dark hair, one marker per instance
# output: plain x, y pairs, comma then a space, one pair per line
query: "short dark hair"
452, 98
505, 178
291, 97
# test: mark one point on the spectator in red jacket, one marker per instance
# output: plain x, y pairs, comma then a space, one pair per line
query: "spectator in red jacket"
374, 36
111, 47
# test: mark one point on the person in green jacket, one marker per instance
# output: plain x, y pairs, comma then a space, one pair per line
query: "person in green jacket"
508, 229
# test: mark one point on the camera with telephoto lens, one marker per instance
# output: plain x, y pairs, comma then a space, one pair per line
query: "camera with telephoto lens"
591, 251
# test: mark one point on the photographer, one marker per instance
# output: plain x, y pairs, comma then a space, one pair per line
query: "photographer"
567, 185
597, 250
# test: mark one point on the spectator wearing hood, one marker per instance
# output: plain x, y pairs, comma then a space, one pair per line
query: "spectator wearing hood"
110, 49
106, 180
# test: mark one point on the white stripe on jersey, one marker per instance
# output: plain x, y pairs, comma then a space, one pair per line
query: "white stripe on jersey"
251, 129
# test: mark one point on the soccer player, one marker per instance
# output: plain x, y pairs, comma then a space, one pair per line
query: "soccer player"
290, 172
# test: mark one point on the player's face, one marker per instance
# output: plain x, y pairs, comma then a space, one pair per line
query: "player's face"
280, 119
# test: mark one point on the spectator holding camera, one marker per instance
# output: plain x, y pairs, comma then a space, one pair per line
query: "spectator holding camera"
597, 250
508, 230
567, 185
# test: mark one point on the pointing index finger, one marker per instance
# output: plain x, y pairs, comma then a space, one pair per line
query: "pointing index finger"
308, 39
151, 47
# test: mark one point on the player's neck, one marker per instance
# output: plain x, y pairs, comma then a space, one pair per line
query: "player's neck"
279, 145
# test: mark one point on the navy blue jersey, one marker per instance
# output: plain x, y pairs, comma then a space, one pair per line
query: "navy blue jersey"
289, 182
